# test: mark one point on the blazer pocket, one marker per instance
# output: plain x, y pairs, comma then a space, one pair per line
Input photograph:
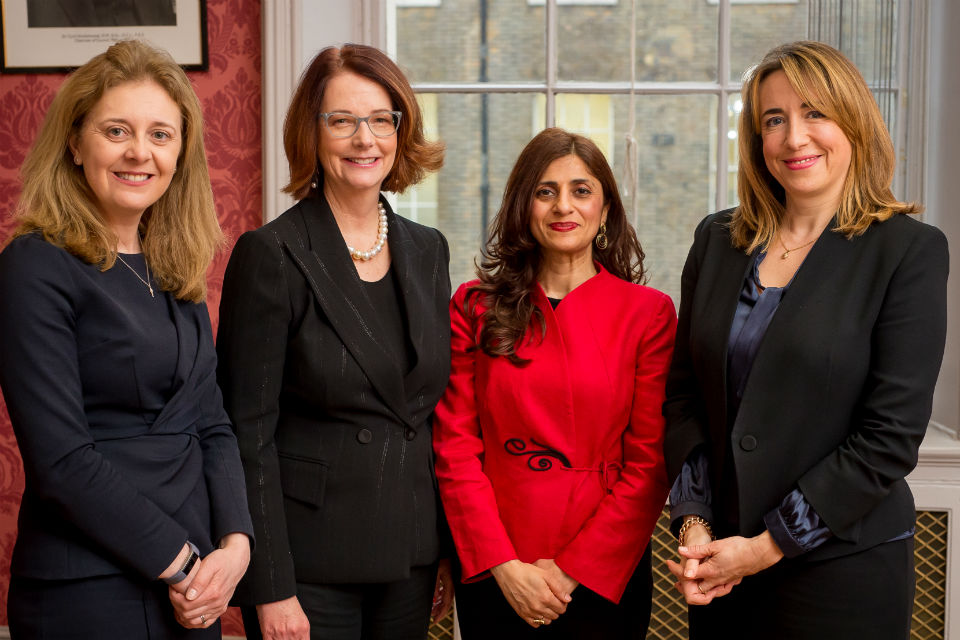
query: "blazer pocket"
303, 479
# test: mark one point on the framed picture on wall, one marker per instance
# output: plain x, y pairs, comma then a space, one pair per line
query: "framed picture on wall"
48, 36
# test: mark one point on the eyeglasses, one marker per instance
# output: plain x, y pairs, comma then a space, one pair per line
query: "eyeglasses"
382, 124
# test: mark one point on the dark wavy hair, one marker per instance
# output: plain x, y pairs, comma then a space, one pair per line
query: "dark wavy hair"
511, 258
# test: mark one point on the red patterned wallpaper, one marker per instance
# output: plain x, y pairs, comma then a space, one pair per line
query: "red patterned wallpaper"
230, 93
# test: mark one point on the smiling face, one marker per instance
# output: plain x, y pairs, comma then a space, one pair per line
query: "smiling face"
805, 151
128, 146
567, 209
362, 161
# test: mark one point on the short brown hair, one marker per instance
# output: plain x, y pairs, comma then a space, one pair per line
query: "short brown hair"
827, 81
415, 155
181, 233
511, 258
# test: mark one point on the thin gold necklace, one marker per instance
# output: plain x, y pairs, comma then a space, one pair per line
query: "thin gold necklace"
786, 253
147, 281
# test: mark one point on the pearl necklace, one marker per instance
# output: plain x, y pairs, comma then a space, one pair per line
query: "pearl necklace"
356, 254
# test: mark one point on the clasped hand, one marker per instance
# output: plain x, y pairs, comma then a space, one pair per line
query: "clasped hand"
712, 569
538, 591
205, 594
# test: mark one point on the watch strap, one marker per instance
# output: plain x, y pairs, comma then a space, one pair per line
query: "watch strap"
184, 571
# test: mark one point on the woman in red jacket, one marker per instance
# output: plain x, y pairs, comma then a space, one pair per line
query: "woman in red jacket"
549, 437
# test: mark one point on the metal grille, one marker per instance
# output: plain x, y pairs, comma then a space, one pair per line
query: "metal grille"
930, 558
668, 615
442, 629
668, 620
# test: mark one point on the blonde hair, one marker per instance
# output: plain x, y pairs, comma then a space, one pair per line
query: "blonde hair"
827, 81
180, 230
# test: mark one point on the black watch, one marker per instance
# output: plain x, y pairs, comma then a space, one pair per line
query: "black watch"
191, 560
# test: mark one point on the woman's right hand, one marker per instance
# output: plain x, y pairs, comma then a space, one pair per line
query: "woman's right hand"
283, 620
527, 589
689, 583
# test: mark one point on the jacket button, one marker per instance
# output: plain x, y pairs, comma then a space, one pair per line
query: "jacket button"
364, 436
410, 434
748, 443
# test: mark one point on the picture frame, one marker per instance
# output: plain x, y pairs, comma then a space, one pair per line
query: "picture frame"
55, 36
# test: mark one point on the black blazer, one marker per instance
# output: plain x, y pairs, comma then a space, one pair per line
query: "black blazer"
335, 440
840, 392
111, 485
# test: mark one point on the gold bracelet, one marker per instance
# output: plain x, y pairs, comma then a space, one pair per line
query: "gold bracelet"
690, 522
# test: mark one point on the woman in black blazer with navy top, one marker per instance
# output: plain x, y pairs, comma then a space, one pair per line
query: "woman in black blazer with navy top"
332, 360
811, 331
108, 367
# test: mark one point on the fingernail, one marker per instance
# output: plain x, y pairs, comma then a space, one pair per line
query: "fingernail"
683, 549
689, 573
191, 594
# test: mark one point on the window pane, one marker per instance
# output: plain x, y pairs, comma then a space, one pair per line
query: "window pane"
675, 174
466, 186
734, 107
757, 28
675, 179
419, 203
676, 40
446, 43
865, 32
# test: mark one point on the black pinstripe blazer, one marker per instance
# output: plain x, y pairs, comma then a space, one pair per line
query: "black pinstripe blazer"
334, 438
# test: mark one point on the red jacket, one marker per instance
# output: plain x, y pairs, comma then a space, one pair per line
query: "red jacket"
561, 458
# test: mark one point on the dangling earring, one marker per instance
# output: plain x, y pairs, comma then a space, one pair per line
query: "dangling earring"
316, 179
601, 239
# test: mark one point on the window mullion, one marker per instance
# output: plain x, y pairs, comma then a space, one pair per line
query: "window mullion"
550, 14
723, 69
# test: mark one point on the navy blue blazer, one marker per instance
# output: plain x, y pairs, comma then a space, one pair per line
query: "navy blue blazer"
841, 389
109, 486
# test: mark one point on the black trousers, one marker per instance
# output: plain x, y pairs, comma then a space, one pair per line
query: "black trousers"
382, 611
484, 614
864, 595
101, 608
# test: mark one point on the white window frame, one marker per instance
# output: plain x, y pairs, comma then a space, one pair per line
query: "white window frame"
285, 54
540, 3
717, 2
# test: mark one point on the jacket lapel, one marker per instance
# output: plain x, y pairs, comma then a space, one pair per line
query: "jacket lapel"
186, 379
325, 263
824, 259
715, 303
408, 267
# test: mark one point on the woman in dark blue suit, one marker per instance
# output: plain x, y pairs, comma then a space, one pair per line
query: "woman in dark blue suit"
134, 520
811, 331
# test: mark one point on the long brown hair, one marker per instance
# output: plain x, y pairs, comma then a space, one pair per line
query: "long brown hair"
180, 230
511, 258
827, 81
415, 154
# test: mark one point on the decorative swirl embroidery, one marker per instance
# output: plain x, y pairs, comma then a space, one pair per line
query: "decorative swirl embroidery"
539, 459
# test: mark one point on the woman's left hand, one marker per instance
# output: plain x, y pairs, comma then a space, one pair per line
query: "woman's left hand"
557, 578
443, 591
208, 593
723, 563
